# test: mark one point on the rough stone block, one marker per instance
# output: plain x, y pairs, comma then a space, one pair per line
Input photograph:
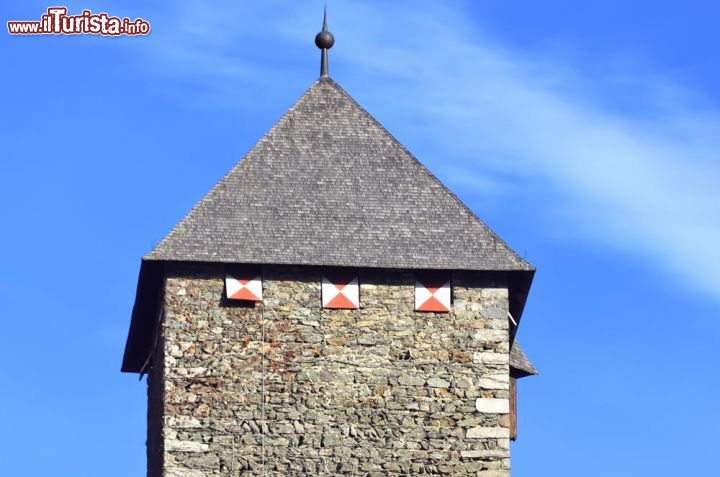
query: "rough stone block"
493, 406
176, 472
406, 380
485, 454
185, 446
491, 335
438, 383
488, 433
494, 473
494, 381
491, 358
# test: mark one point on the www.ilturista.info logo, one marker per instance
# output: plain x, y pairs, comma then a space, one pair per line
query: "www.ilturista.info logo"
57, 22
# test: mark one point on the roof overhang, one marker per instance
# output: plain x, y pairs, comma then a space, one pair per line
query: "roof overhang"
519, 283
148, 301
145, 316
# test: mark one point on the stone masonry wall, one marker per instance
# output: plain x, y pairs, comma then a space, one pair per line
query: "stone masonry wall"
287, 388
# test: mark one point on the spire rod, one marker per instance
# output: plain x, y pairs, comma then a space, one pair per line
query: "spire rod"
324, 40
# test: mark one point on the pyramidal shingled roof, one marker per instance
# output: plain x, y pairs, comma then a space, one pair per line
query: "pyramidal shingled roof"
328, 185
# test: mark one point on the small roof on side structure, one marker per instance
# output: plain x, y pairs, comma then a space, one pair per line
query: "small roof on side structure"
327, 186
520, 365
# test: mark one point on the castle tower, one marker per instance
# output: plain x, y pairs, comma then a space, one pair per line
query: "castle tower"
329, 308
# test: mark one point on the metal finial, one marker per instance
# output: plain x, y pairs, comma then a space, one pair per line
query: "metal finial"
324, 40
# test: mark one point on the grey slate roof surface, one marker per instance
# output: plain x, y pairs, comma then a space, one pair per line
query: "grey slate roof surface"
520, 365
328, 185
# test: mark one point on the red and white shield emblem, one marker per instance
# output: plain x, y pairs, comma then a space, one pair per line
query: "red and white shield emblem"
340, 291
243, 286
433, 293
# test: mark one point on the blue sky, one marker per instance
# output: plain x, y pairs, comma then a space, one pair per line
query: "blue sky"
585, 134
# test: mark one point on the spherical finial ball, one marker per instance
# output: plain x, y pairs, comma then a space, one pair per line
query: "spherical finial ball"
324, 40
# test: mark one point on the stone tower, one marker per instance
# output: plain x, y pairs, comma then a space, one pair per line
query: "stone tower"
329, 308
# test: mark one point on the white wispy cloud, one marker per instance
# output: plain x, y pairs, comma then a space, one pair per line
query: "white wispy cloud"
641, 176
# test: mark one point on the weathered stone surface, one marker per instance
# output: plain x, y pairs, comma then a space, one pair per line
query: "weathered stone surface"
491, 358
493, 473
406, 380
289, 388
494, 381
488, 433
485, 454
504, 420
178, 472
438, 383
185, 446
491, 335
492, 406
